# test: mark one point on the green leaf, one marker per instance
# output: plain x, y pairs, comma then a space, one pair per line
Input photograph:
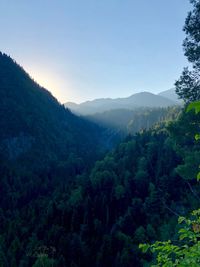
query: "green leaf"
144, 247
181, 219
195, 106
197, 137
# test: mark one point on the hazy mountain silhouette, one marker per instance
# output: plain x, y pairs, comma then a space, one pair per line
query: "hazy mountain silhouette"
143, 99
170, 94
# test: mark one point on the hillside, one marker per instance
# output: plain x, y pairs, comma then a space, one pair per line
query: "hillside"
143, 99
129, 121
59, 205
35, 127
98, 218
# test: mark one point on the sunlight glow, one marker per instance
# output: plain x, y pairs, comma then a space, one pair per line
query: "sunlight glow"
51, 81
48, 80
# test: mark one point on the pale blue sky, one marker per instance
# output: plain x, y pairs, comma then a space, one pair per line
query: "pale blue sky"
86, 49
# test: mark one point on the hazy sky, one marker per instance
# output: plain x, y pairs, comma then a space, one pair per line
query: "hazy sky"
86, 49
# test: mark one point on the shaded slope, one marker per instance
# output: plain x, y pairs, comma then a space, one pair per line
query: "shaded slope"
34, 126
132, 121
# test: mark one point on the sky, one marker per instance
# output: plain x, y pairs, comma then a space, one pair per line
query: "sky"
86, 49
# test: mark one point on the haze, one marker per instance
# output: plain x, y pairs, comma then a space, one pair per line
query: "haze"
82, 50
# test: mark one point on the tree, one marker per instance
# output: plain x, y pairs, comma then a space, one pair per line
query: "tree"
188, 85
186, 252
192, 29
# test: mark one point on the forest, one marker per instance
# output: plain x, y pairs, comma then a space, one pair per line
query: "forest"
76, 192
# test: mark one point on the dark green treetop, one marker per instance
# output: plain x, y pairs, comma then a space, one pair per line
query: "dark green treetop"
188, 85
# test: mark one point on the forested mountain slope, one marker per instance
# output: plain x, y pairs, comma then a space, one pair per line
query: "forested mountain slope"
128, 121
99, 217
60, 209
35, 128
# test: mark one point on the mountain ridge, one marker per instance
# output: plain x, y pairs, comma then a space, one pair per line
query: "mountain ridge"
170, 94
35, 127
142, 99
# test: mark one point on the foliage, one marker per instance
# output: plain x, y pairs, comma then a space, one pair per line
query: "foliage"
196, 107
96, 218
188, 86
54, 195
192, 30
187, 250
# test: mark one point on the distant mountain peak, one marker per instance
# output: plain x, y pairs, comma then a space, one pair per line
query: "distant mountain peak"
170, 94
141, 99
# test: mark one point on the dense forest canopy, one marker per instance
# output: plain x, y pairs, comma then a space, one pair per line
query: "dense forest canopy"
35, 128
185, 250
65, 202
73, 214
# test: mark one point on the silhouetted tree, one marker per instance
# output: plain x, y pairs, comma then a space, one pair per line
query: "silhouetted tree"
188, 86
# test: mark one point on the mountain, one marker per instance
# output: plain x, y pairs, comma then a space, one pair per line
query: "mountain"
143, 99
170, 94
59, 208
126, 121
35, 128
